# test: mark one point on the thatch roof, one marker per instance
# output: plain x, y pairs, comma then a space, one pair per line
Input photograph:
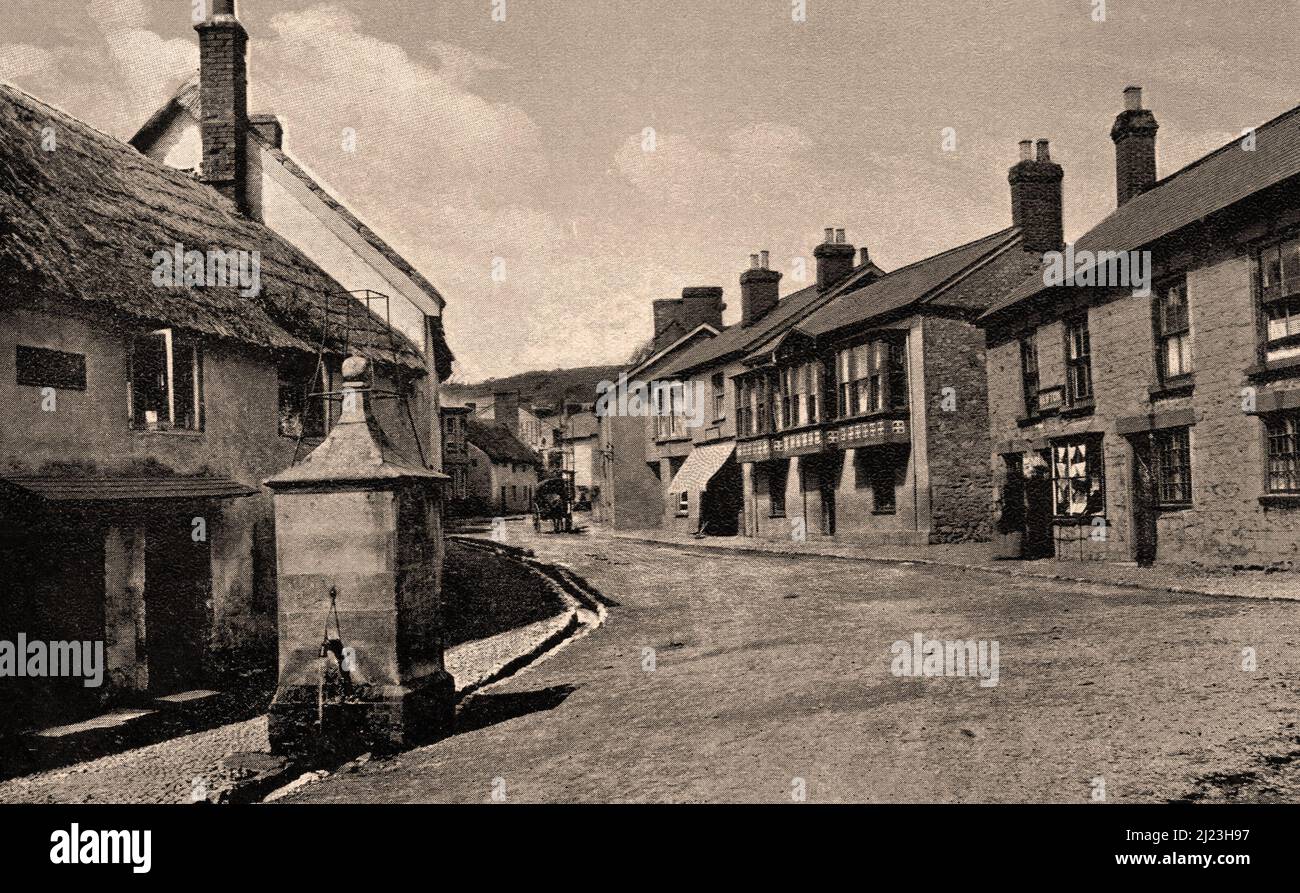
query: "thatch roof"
188, 100
81, 225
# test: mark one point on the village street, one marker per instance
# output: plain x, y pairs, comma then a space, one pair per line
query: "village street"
771, 677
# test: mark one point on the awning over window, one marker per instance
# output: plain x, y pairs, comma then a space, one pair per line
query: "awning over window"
76, 488
700, 466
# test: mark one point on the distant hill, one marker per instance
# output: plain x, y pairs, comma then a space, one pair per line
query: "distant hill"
543, 388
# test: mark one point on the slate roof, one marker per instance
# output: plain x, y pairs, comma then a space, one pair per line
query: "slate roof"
923, 281
81, 225
737, 339
499, 442
1220, 179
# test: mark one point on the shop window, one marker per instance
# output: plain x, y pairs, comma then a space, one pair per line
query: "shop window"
1078, 479
166, 383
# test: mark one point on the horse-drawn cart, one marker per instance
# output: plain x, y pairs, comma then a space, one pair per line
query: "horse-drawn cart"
554, 502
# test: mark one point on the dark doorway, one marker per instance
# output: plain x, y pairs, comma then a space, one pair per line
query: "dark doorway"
1145, 537
722, 503
826, 468
178, 582
1039, 511
53, 590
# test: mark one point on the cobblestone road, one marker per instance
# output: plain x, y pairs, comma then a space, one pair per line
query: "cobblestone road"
772, 673
165, 772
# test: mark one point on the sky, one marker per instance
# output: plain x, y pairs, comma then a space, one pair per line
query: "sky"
556, 171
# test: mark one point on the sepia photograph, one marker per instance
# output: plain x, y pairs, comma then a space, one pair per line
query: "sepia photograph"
794, 417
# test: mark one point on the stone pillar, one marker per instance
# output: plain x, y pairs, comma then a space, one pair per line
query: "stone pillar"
124, 609
359, 552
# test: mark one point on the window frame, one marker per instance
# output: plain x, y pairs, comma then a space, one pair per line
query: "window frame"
1290, 421
1167, 443
304, 399
1094, 467
884, 480
719, 382
1163, 335
1030, 391
172, 345
1282, 294
881, 385
1074, 365
777, 470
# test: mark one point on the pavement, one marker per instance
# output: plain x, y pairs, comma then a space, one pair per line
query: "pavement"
722, 676
978, 557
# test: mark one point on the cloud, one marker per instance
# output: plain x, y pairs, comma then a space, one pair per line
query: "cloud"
24, 62
112, 15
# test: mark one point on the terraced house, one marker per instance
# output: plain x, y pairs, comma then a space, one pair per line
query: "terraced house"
630, 487
694, 447
866, 419
1164, 425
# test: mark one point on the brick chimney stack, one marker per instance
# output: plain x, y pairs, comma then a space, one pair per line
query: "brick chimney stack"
668, 322
1037, 204
505, 410
760, 290
702, 304
675, 317
223, 79
835, 258
1134, 135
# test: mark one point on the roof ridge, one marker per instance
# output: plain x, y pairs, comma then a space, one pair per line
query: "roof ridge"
1213, 153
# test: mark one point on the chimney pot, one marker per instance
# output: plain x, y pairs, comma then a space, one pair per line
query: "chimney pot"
753, 262
866, 256
834, 259
223, 7
764, 259
1134, 135
1037, 200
